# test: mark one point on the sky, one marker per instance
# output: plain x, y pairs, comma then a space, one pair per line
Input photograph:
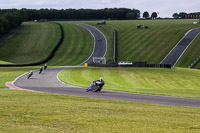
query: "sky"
166, 8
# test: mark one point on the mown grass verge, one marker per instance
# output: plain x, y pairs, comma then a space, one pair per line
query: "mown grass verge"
22, 112
32, 44
178, 82
10, 73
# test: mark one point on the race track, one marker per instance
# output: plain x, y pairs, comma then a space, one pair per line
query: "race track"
175, 54
48, 82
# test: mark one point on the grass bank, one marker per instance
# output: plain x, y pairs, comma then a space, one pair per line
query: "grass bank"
23, 112
178, 82
77, 46
32, 44
37, 40
150, 45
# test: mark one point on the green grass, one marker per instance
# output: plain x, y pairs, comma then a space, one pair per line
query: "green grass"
191, 54
32, 44
4, 62
150, 45
10, 73
23, 112
35, 43
77, 46
178, 82
198, 66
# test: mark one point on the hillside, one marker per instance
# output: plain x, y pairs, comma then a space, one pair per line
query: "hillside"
32, 44
24, 111
37, 40
150, 45
76, 48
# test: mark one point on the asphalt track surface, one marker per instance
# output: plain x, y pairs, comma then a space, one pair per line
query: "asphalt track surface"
176, 53
48, 82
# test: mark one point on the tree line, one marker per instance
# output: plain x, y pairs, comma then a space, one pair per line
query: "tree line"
10, 19
83, 14
146, 15
183, 15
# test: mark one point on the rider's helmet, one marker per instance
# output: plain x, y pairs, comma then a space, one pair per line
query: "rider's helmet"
101, 79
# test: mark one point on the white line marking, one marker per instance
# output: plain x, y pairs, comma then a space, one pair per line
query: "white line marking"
173, 48
94, 44
103, 36
178, 44
186, 49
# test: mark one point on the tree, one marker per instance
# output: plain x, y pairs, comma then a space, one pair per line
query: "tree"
130, 15
182, 14
145, 15
10, 19
1, 28
154, 15
175, 15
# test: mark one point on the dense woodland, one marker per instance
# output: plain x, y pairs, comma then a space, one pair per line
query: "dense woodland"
11, 18
83, 14
183, 15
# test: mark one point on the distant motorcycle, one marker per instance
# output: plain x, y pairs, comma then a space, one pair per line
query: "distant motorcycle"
30, 74
41, 69
45, 66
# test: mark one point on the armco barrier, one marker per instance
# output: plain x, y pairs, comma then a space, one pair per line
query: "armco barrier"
45, 60
134, 64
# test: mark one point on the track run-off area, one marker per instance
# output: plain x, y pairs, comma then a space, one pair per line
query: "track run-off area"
48, 81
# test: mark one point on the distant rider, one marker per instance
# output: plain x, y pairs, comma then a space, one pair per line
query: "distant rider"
41, 69
30, 74
45, 66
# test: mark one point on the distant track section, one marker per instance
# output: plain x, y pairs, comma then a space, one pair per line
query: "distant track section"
51, 55
100, 42
175, 54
